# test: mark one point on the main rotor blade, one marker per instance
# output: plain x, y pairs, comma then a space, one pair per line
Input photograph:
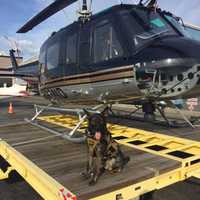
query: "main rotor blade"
46, 13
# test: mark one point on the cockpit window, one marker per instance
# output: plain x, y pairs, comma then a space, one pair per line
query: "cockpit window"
193, 33
157, 23
177, 24
154, 26
53, 55
152, 20
145, 25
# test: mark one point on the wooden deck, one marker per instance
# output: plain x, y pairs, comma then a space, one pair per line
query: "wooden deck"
65, 161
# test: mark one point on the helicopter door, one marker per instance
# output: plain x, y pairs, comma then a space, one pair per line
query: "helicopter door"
84, 49
53, 59
71, 54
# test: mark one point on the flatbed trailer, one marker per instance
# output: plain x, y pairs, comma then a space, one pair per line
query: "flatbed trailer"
52, 166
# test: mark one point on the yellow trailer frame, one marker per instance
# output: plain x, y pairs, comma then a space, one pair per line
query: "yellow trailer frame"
46, 186
185, 151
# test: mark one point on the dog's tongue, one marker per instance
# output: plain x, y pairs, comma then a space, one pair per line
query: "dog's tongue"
98, 135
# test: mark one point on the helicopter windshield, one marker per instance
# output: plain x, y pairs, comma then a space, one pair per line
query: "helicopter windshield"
148, 25
178, 24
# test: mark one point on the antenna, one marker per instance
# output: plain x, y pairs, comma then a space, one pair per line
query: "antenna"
90, 5
149, 3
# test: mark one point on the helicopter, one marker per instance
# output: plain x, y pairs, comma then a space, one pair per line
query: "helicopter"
134, 53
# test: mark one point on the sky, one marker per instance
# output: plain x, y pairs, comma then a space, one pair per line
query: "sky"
15, 13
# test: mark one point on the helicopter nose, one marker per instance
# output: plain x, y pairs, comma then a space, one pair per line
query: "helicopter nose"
171, 47
185, 47
176, 62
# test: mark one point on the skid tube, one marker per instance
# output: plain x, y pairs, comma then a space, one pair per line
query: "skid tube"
71, 136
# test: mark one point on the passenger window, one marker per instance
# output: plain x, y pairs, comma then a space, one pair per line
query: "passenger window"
71, 49
106, 45
53, 56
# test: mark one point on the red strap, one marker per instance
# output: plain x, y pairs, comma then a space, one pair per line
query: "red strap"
66, 195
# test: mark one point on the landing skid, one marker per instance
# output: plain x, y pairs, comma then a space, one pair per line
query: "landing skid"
173, 124
150, 117
184, 117
72, 136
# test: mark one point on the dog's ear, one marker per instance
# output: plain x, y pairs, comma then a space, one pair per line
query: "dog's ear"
86, 112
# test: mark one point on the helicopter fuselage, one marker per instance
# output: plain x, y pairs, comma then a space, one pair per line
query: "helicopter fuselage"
124, 53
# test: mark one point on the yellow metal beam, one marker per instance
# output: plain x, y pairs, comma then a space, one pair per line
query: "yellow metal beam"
195, 173
45, 185
6, 174
156, 183
141, 188
166, 146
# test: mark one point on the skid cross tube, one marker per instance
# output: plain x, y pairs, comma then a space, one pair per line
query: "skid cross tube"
57, 133
40, 109
71, 135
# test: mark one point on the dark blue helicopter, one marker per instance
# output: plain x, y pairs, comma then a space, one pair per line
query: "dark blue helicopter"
136, 53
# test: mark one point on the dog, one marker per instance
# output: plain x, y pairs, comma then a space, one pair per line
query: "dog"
104, 152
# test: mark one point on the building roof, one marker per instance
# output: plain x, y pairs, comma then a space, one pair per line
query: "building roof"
29, 61
5, 61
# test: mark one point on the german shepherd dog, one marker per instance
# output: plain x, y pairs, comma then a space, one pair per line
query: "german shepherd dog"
104, 152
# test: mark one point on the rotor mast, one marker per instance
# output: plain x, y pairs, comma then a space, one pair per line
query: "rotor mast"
84, 7
84, 12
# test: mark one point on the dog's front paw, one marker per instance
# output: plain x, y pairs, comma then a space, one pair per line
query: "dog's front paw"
93, 180
85, 175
